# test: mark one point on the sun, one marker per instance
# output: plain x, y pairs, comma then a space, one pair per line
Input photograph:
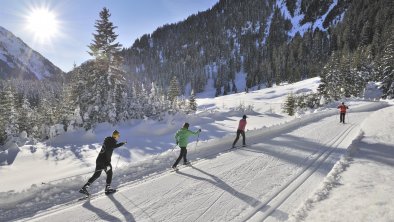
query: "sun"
43, 24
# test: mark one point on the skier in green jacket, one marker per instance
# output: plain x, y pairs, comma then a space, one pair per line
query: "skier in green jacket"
181, 138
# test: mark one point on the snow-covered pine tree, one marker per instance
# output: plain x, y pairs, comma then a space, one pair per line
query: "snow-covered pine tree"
9, 112
330, 78
387, 63
290, 104
174, 90
3, 118
75, 120
25, 117
66, 107
346, 76
106, 83
47, 117
104, 48
37, 122
192, 102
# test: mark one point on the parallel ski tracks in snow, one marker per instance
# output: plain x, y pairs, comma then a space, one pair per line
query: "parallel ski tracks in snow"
267, 207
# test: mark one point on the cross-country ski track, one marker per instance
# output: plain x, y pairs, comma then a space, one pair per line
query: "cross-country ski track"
266, 181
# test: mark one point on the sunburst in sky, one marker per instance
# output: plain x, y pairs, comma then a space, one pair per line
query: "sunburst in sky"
61, 30
43, 24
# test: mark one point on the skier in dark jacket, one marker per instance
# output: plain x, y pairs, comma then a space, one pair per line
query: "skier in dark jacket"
342, 109
103, 162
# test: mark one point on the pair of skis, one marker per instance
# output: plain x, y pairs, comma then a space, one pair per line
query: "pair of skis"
175, 169
239, 146
88, 196
189, 163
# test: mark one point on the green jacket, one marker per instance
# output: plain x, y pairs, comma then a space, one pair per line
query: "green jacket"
182, 136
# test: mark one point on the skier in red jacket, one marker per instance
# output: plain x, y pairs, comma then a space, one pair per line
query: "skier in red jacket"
241, 131
342, 109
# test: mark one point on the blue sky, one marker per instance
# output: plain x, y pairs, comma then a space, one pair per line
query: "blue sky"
76, 20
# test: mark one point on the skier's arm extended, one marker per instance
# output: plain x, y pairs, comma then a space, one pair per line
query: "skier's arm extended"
194, 133
116, 145
119, 144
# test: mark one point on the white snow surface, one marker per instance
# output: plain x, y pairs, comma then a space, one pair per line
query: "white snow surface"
297, 18
360, 186
287, 158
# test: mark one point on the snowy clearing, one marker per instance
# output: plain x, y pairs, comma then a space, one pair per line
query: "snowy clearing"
286, 160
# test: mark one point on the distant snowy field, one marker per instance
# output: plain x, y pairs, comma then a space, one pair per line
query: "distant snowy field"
35, 177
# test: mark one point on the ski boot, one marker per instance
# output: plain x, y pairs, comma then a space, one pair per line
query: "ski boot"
187, 163
84, 191
109, 190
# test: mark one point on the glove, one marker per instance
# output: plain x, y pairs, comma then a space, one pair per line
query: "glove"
122, 143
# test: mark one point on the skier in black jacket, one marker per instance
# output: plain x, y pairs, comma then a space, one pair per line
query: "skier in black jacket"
103, 162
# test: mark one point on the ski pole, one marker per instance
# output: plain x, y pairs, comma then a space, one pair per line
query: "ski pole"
198, 137
174, 147
117, 162
347, 116
119, 156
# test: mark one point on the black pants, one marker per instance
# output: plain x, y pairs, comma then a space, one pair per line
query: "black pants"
240, 132
182, 154
97, 173
342, 118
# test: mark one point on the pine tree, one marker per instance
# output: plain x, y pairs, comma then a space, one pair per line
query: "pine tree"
289, 105
174, 89
104, 48
387, 62
192, 102
3, 119
25, 117
104, 89
9, 112
331, 78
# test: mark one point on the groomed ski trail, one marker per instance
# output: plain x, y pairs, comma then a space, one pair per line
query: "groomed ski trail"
266, 181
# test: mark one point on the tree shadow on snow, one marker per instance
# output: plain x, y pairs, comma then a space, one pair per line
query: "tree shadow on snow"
101, 213
289, 147
216, 181
8, 157
12, 153
222, 185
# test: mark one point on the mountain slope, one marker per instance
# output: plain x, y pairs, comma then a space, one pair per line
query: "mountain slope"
234, 36
18, 60
271, 41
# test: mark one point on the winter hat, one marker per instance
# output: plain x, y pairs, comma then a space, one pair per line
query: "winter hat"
115, 133
244, 117
186, 125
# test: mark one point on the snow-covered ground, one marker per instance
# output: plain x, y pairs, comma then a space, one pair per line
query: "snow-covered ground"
361, 185
282, 168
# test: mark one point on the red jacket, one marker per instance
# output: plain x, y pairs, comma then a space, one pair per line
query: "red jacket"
343, 108
242, 124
